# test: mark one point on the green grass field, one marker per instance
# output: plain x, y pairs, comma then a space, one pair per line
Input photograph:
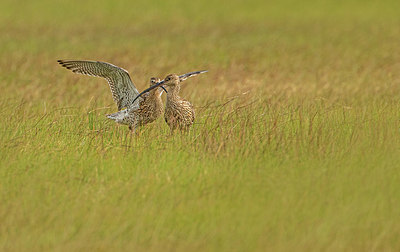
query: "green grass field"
296, 145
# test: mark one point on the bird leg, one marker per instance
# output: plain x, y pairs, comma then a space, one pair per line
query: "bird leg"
133, 129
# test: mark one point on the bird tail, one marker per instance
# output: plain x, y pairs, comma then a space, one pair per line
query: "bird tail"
118, 116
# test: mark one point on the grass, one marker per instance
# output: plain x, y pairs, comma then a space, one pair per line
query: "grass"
295, 147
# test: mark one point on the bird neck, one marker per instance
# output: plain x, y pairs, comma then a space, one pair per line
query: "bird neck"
151, 95
173, 92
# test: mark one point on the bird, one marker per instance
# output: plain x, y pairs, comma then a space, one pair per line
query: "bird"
150, 108
132, 112
179, 113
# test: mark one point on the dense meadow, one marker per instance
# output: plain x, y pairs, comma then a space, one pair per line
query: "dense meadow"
296, 145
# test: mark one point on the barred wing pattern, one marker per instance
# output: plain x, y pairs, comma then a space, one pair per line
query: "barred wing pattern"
122, 88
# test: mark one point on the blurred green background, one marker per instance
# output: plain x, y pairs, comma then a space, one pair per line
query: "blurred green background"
295, 146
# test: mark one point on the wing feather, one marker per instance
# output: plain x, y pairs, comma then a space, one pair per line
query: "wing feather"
122, 88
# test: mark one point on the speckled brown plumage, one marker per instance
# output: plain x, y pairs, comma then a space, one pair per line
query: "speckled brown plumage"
133, 112
150, 108
179, 113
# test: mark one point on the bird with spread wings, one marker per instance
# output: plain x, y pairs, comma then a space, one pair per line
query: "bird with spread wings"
133, 110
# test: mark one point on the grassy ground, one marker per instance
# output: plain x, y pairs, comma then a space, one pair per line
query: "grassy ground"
296, 146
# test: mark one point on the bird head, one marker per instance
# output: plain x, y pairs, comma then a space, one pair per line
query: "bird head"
154, 81
170, 80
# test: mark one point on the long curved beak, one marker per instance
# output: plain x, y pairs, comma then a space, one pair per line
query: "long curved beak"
164, 89
191, 74
150, 88
181, 78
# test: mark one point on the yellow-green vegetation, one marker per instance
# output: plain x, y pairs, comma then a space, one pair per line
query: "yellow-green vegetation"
296, 145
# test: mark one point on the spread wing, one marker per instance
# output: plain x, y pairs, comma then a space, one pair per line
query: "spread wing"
122, 88
191, 74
